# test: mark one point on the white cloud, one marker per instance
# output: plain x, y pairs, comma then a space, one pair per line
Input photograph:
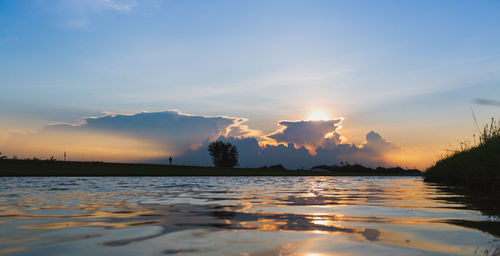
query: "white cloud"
305, 132
172, 128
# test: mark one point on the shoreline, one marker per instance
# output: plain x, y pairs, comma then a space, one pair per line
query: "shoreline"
44, 168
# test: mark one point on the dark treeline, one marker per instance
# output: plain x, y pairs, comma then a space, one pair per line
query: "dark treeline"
11, 167
354, 169
357, 168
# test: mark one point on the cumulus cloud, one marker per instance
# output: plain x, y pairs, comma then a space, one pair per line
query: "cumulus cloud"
169, 128
252, 154
333, 150
239, 128
376, 143
308, 133
371, 153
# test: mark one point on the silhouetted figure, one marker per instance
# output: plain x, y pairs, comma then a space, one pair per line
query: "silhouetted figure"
64, 156
170, 160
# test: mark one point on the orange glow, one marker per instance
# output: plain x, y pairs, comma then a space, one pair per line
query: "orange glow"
84, 146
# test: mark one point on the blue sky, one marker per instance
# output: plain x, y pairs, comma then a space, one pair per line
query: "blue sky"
407, 69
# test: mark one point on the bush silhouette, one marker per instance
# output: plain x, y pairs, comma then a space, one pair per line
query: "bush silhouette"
475, 166
223, 154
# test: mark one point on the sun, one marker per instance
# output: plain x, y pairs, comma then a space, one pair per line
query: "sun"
317, 116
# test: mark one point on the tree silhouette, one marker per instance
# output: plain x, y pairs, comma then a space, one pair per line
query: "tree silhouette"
223, 154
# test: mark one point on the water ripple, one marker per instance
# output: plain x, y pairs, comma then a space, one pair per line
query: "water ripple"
240, 216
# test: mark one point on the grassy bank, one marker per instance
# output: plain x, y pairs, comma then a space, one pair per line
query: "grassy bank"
9, 167
474, 166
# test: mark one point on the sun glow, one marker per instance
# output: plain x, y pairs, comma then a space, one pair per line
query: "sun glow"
317, 116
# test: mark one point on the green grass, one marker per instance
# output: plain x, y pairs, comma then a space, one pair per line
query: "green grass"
10, 167
475, 166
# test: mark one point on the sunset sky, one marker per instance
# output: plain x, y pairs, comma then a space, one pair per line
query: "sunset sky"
293, 82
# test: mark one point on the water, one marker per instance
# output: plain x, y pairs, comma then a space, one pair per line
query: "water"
310, 216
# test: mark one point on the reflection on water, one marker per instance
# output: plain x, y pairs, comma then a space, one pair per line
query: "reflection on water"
239, 216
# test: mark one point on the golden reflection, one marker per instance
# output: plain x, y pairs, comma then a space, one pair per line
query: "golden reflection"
322, 222
13, 249
416, 242
289, 246
70, 224
316, 207
319, 232
6, 240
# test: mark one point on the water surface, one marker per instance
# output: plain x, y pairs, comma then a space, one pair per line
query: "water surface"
310, 216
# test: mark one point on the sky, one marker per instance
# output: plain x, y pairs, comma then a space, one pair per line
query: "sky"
299, 83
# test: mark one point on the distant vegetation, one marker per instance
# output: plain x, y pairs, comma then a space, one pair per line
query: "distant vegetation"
32, 159
11, 167
223, 154
475, 165
357, 168
274, 167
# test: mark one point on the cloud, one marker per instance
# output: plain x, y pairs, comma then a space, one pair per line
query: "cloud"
308, 133
487, 102
154, 136
238, 129
376, 143
292, 156
252, 154
304, 132
170, 128
302, 144
371, 153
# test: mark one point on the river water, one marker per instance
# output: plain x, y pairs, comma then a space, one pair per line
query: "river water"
311, 216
